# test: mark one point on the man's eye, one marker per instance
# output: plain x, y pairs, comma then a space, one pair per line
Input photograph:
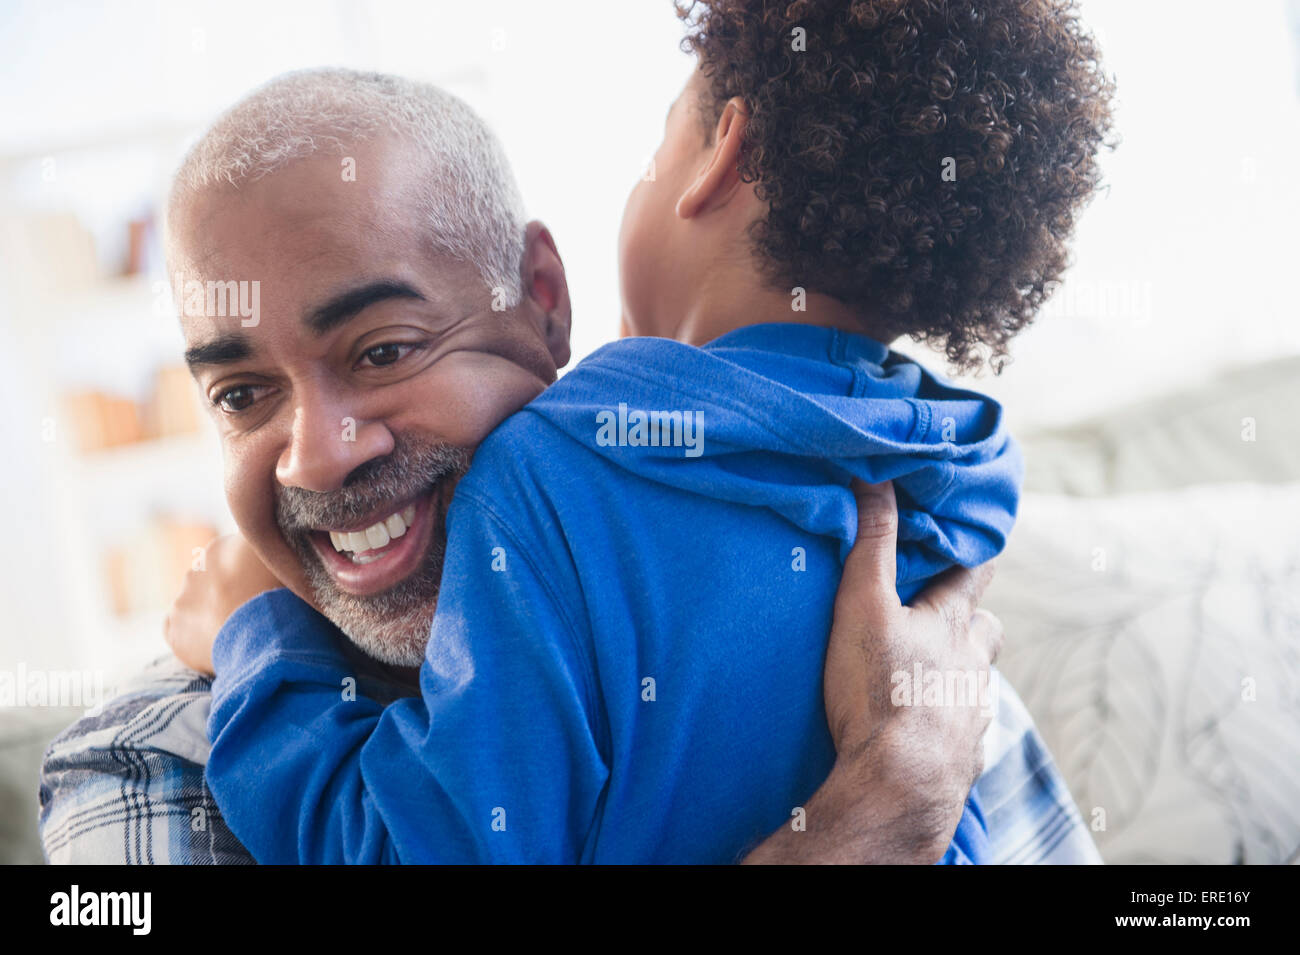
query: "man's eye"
386, 354
235, 400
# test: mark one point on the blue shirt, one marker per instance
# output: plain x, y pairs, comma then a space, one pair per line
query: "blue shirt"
626, 663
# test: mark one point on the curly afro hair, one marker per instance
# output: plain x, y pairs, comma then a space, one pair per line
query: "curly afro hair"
861, 112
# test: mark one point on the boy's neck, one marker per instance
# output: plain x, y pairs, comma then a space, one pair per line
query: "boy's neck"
727, 303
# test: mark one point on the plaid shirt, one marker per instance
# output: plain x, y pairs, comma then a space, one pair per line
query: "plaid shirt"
126, 785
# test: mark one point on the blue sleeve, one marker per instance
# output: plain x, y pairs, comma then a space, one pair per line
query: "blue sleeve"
496, 761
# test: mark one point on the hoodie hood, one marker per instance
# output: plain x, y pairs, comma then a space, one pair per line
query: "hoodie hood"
782, 416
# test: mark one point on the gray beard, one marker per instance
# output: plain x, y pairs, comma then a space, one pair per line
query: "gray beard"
391, 626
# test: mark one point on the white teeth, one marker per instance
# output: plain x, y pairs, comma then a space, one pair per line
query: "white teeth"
376, 535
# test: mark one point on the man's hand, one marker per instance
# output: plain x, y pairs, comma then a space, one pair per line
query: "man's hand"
902, 773
232, 575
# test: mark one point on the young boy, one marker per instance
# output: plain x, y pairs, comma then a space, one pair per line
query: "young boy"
641, 564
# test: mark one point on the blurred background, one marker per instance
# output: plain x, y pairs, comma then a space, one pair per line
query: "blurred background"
1184, 267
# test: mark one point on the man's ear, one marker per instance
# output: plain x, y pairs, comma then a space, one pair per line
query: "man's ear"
545, 283
720, 176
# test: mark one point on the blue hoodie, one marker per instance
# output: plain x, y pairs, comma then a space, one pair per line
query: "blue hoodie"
626, 663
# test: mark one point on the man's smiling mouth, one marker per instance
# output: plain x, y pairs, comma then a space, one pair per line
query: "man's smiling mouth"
377, 555
365, 545
375, 544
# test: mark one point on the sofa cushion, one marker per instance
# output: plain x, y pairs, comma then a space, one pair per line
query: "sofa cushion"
1156, 639
1178, 440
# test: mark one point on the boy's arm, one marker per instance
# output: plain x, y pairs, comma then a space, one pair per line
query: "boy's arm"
497, 761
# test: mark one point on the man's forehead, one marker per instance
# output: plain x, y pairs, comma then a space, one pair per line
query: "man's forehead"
338, 194
233, 232
318, 245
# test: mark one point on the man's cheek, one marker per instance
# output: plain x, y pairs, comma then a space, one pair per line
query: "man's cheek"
251, 497
248, 504
474, 395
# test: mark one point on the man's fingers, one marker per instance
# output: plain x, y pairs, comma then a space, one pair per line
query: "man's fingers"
870, 573
986, 633
957, 592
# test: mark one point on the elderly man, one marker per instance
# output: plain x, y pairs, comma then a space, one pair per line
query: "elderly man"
406, 309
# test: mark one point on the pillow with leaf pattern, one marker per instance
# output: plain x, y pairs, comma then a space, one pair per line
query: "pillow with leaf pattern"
1155, 637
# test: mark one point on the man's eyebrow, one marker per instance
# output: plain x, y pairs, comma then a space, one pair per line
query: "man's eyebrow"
220, 351
343, 307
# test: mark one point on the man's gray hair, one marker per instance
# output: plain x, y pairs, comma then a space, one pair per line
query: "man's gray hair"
469, 199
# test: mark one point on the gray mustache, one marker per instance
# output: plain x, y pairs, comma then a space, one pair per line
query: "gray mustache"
410, 470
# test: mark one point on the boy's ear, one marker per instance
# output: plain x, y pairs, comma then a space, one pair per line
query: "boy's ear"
720, 177
545, 283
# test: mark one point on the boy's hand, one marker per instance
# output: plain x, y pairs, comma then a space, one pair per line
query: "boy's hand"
902, 773
232, 576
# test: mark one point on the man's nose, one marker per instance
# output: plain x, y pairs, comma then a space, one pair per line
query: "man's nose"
327, 444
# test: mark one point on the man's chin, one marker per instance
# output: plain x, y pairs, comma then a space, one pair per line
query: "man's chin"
398, 640
392, 626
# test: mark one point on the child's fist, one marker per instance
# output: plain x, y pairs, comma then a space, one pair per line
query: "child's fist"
231, 576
